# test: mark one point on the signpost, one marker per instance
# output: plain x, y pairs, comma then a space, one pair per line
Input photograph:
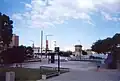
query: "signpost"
46, 46
57, 52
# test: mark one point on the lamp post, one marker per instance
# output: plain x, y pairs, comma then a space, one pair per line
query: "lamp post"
32, 44
41, 42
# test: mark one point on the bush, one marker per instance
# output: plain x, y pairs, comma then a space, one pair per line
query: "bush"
13, 55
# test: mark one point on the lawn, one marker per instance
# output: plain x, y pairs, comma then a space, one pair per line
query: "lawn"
23, 74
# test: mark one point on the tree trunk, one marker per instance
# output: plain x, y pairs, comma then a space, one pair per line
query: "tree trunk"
113, 65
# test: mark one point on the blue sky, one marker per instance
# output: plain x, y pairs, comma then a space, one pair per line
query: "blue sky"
67, 20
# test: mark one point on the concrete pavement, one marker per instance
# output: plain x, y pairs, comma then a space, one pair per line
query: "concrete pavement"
85, 71
87, 76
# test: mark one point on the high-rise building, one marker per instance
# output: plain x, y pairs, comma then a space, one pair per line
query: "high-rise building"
15, 40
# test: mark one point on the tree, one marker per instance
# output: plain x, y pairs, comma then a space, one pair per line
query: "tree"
14, 55
84, 52
116, 39
65, 53
97, 46
29, 52
111, 45
6, 26
103, 46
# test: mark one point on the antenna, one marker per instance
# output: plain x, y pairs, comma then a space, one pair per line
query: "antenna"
79, 42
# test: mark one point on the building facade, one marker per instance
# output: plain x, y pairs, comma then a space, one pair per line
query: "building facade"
89, 51
78, 50
15, 40
36, 50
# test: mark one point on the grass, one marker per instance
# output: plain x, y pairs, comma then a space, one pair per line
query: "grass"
23, 74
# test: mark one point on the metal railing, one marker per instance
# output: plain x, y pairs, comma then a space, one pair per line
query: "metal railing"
55, 68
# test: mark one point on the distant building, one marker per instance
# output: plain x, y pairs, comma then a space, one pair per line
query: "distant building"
15, 40
89, 51
78, 50
36, 49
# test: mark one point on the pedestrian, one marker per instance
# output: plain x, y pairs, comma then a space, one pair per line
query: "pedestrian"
98, 65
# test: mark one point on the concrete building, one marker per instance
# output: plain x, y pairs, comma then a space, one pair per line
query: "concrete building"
15, 40
78, 50
36, 50
89, 51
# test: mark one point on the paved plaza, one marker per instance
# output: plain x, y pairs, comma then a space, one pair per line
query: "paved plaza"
79, 71
87, 76
84, 71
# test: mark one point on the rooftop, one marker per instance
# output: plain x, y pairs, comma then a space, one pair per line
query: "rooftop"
78, 45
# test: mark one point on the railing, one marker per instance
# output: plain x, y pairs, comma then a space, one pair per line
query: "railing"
55, 68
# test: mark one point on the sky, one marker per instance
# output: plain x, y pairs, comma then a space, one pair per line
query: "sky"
70, 22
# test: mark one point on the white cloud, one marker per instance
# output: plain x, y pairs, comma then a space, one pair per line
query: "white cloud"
108, 17
41, 14
17, 16
28, 5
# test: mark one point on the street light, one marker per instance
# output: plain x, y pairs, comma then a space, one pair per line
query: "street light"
41, 42
48, 35
33, 43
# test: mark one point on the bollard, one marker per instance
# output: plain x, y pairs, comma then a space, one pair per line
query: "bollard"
10, 76
44, 77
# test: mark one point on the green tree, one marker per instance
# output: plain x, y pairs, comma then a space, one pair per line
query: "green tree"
103, 46
14, 55
111, 45
97, 46
116, 39
84, 52
6, 26
29, 52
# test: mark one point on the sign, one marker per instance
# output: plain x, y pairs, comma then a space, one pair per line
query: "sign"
57, 49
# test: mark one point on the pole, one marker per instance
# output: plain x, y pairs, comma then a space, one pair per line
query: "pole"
57, 53
58, 62
41, 41
46, 46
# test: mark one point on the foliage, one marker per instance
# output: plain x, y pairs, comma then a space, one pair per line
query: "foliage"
13, 55
6, 26
106, 45
84, 52
66, 54
111, 45
16, 54
29, 52
103, 46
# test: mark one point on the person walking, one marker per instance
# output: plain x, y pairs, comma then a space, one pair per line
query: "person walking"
98, 65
